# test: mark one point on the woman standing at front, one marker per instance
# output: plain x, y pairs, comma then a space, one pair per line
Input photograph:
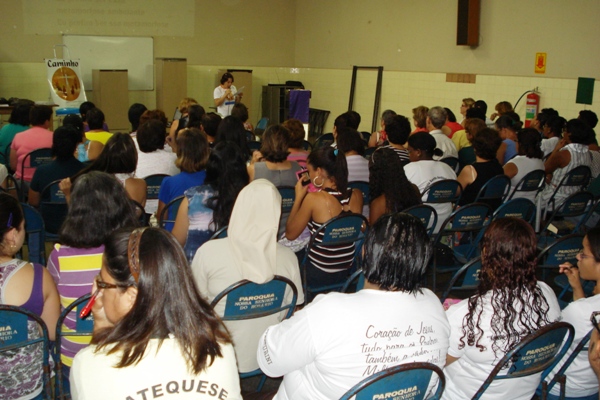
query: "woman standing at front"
153, 332
226, 95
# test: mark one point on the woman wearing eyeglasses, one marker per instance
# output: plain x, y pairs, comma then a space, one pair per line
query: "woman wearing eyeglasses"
510, 304
154, 335
581, 380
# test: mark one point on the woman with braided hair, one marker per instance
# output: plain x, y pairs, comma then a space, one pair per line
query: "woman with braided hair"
510, 304
153, 332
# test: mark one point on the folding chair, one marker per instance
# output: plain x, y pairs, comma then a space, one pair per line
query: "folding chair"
494, 191
410, 381
140, 213
439, 193
364, 189
324, 140
452, 162
562, 220
153, 183
261, 126
166, 219
426, 214
35, 233
341, 231
288, 196
54, 209
369, 152
465, 279
249, 300
516, 208
468, 221
20, 329
532, 182
560, 377
537, 352
83, 327
12, 186
36, 158
577, 178
254, 145
220, 233
306, 145
354, 283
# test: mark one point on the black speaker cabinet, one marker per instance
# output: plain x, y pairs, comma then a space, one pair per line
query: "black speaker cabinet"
467, 29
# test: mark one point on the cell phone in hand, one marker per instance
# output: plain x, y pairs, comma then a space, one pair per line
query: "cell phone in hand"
303, 176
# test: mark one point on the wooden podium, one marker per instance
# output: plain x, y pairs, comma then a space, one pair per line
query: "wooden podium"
111, 95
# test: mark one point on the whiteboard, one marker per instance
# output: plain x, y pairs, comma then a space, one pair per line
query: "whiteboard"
135, 54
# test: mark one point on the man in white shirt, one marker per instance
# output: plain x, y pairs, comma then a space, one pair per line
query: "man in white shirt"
436, 118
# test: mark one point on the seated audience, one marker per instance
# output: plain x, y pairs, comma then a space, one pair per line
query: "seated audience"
95, 122
207, 208
451, 126
28, 286
179, 124
570, 152
99, 205
195, 114
192, 156
380, 137
502, 108
507, 126
552, 131
423, 170
352, 145
540, 119
390, 190
36, 137
436, 118
340, 339
460, 137
420, 119
467, 104
296, 147
529, 159
483, 327
119, 158
398, 130
210, 125
134, 114
232, 129
589, 117
63, 165
240, 111
328, 172
152, 327
466, 155
250, 251
83, 110
581, 380
276, 168
473, 177
17, 122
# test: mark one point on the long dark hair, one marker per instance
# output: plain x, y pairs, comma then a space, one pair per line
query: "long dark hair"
11, 216
232, 129
226, 173
167, 301
387, 177
334, 163
118, 156
99, 205
508, 282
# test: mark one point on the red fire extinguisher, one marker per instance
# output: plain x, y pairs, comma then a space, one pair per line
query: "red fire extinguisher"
532, 108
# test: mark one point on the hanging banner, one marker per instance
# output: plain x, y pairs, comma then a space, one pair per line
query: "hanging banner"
64, 78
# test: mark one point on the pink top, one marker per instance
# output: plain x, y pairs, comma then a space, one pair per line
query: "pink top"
27, 141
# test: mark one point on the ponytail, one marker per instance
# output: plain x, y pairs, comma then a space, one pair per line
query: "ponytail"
340, 174
334, 163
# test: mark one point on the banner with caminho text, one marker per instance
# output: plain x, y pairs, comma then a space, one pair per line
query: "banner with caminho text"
66, 85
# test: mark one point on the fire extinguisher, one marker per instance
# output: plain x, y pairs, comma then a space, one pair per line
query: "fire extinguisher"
532, 108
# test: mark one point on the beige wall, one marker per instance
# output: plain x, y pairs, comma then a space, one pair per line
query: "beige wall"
323, 39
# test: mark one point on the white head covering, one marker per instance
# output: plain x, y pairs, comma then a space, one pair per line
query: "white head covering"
252, 230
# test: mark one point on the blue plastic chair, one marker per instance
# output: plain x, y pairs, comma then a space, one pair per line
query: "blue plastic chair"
36, 158
35, 233
83, 327
537, 352
220, 233
411, 379
578, 177
494, 191
14, 322
467, 221
167, 217
238, 309
324, 140
452, 162
254, 145
354, 283
306, 145
261, 126
364, 189
465, 279
426, 214
153, 183
560, 377
288, 196
339, 231
576, 206
443, 191
516, 208
53, 204
533, 181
